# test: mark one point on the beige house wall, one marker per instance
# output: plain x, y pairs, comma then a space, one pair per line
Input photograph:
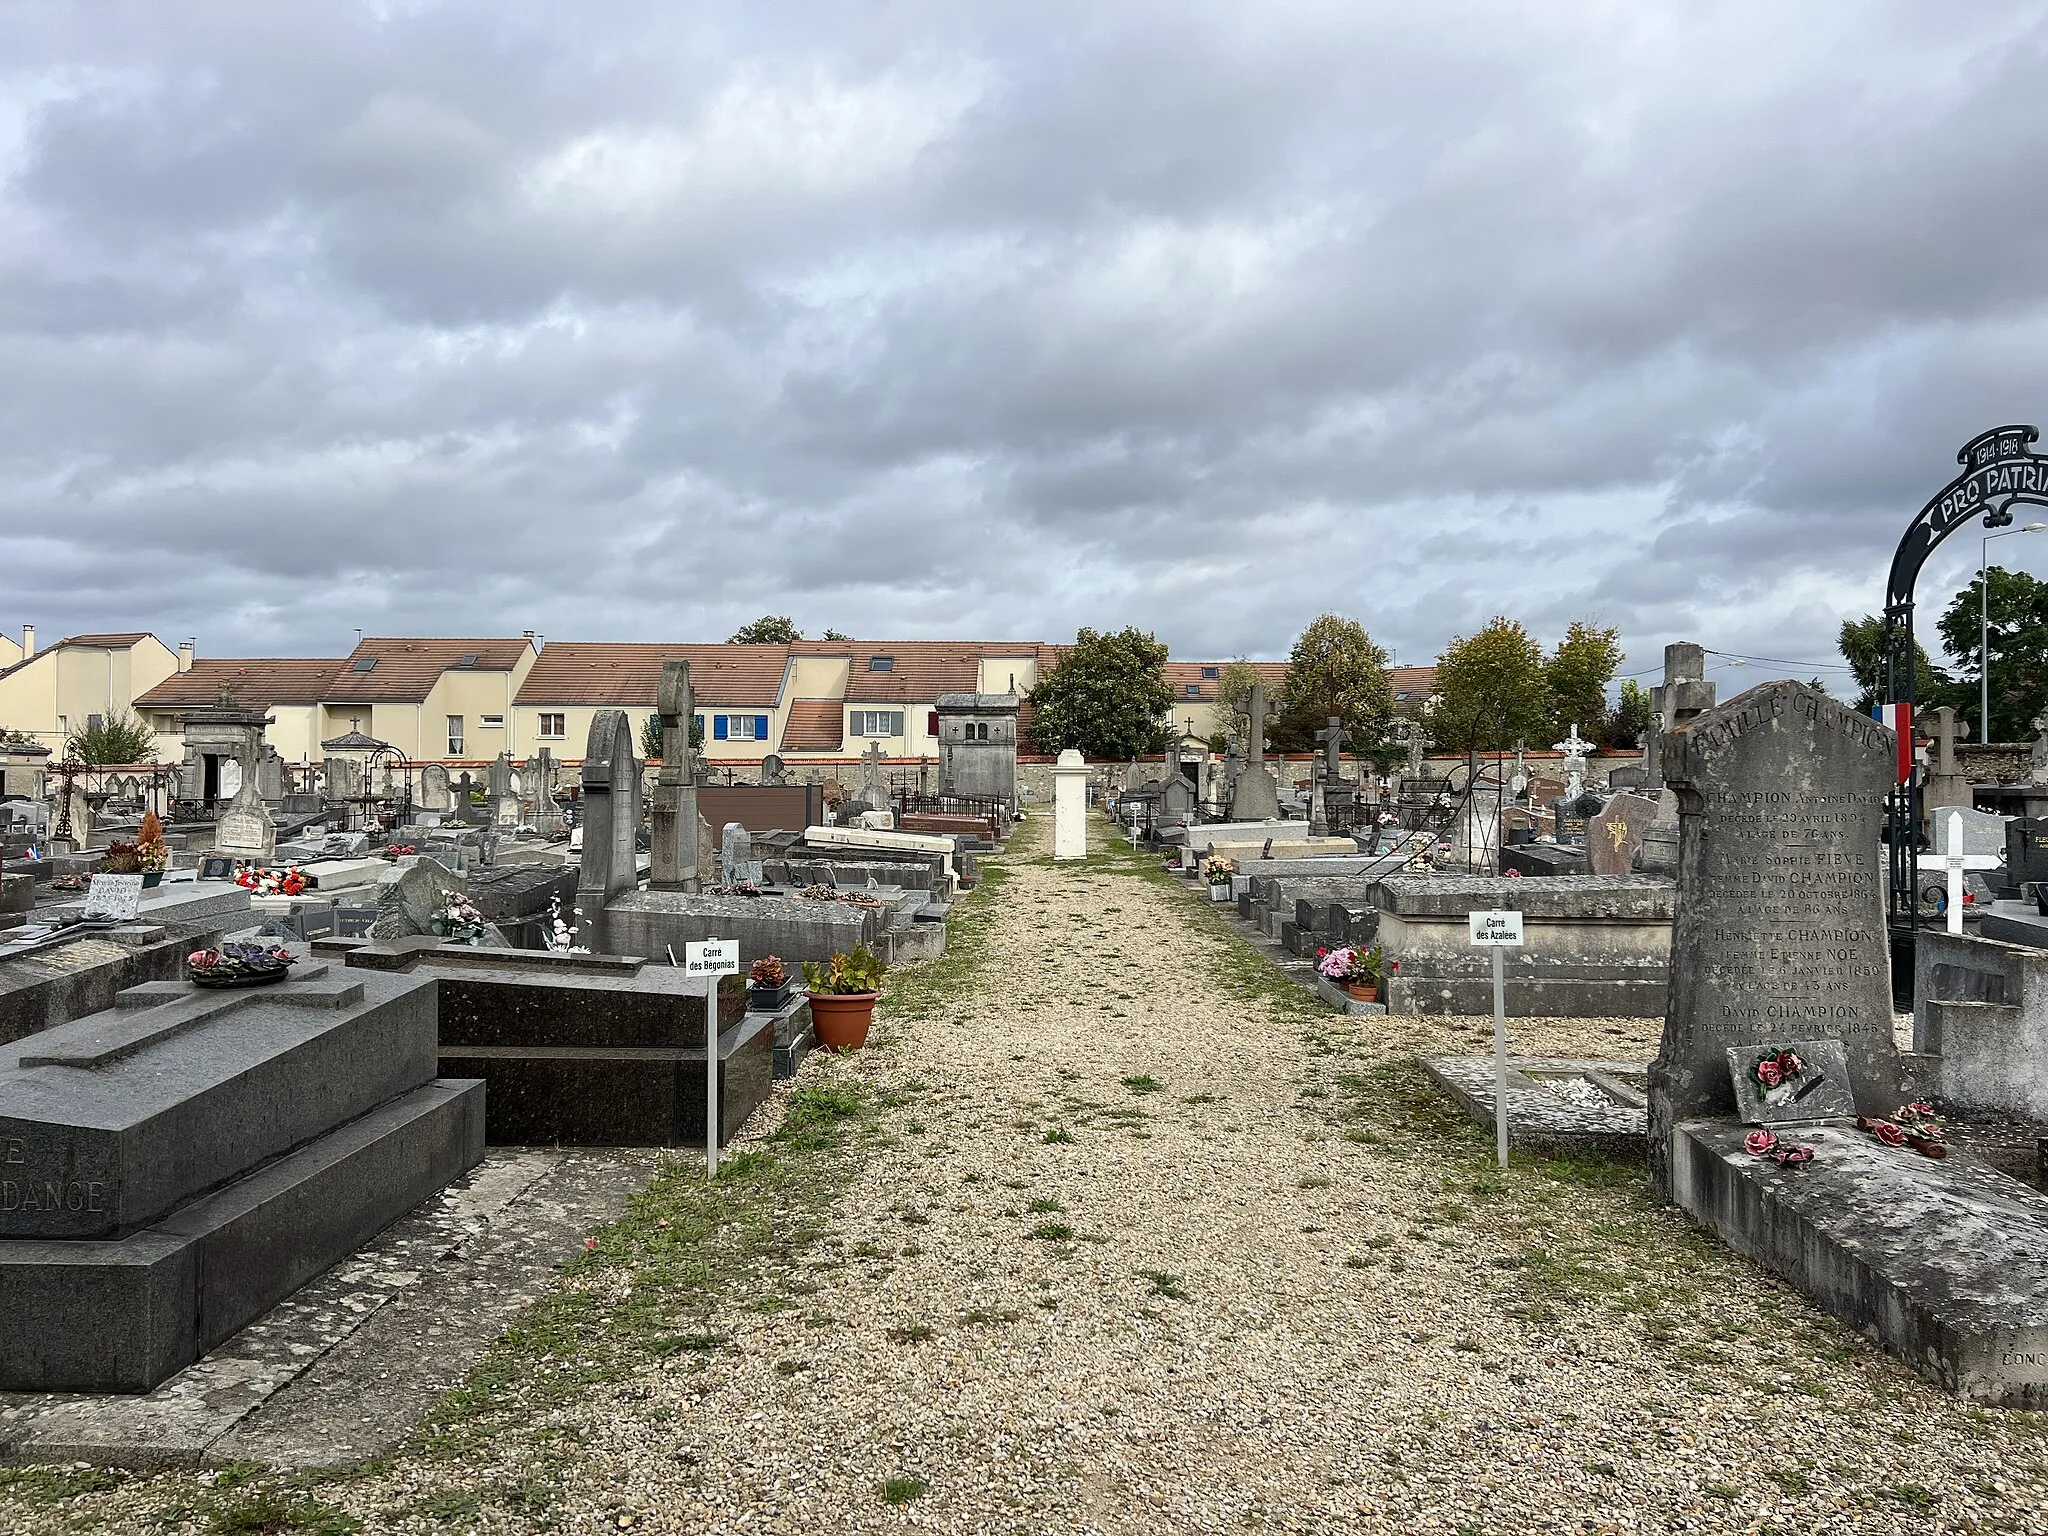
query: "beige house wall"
998, 671
61, 688
472, 695
10, 650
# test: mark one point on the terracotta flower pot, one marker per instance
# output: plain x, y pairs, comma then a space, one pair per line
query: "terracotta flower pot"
1363, 991
839, 1020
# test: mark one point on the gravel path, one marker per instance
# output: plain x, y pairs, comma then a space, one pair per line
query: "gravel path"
1150, 1249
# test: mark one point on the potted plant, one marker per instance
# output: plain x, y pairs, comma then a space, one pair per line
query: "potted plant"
843, 992
1357, 971
767, 984
1218, 872
152, 851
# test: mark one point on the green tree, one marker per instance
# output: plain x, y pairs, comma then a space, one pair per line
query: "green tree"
1629, 722
1577, 675
119, 737
2019, 653
650, 736
1234, 699
1334, 669
1492, 690
1107, 697
769, 629
832, 634
1862, 643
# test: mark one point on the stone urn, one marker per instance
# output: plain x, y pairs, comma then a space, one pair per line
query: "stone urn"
840, 1020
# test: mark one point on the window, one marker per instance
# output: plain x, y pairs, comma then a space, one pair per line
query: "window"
554, 725
365, 664
455, 735
977, 730
1212, 671
468, 660
875, 722
491, 722
931, 723
881, 663
1194, 690
739, 727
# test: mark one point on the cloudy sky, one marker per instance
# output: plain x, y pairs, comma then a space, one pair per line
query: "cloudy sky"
619, 321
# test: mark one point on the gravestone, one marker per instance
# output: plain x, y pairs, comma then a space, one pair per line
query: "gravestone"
435, 794
504, 792
773, 769
541, 811
1980, 831
675, 845
408, 896
1946, 784
1176, 802
1615, 834
245, 829
874, 790
611, 822
1254, 793
1572, 815
1070, 806
342, 778
736, 862
2026, 850
1779, 928
270, 776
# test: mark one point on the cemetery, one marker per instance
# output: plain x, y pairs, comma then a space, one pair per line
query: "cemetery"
308, 1098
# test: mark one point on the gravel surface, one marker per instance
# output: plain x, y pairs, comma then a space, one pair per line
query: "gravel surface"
1152, 1245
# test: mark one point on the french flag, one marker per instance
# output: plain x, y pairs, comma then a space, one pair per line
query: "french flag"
1900, 718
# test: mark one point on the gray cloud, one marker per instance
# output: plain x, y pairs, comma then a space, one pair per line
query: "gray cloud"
633, 320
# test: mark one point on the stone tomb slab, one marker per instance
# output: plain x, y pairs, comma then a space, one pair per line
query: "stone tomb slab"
1943, 1263
1557, 1105
1819, 1092
128, 1113
583, 1050
653, 922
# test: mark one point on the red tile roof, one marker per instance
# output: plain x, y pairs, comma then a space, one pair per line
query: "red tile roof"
406, 670
83, 642
628, 673
258, 682
815, 725
917, 671
1417, 682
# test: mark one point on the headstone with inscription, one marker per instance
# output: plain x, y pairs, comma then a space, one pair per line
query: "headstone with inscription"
1615, 834
1779, 928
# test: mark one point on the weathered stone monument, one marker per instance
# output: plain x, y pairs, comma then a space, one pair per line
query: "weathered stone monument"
1684, 694
435, 793
541, 811
736, 862
1255, 794
504, 792
1946, 785
1779, 930
1779, 943
674, 811
611, 823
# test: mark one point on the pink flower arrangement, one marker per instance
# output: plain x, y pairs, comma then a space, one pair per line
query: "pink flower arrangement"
1888, 1133
1759, 1143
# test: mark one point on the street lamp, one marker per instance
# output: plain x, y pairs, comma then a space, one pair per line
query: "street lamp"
1984, 625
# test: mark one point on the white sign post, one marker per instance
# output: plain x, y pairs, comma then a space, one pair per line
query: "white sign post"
1498, 931
710, 960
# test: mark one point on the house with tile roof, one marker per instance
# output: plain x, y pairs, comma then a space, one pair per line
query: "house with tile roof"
291, 689
436, 700
813, 700
1197, 706
49, 693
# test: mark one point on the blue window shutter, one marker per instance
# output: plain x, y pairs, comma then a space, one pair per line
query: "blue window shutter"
718, 727
760, 727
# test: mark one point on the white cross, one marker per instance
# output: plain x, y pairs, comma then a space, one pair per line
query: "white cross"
1953, 863
1574, 747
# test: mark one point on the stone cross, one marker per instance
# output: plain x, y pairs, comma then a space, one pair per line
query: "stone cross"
1574, 748
1520, 781
1948, 729
1685, 693
675, 846
1334, 739
1255, 743
1415, 742
1954, 863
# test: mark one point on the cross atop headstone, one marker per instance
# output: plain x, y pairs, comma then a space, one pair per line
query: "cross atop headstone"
1574, 747
1954, 864
1412, 738
1685, 693
1520, 781
1334, 739
1948, 729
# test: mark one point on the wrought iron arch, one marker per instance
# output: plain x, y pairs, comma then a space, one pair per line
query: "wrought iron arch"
2000, 471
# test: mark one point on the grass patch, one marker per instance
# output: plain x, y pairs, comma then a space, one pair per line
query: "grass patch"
903, 1489
1163, 1283
1143, 1083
